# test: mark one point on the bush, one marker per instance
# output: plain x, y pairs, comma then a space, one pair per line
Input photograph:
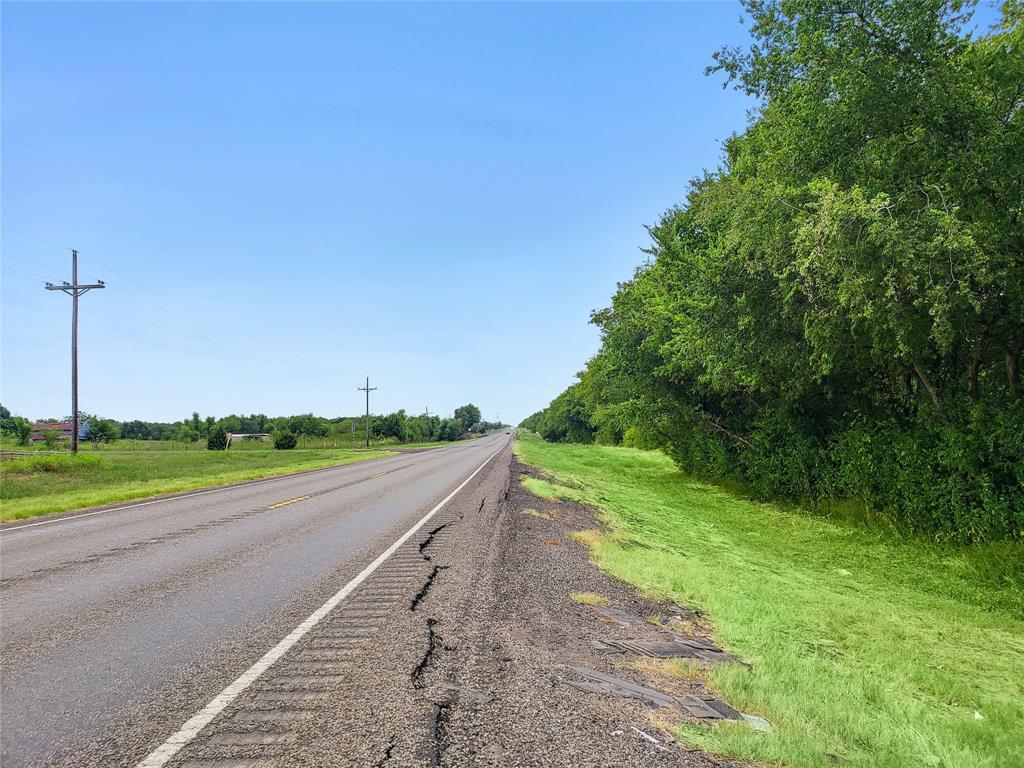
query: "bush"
218, 439
285, 441
52, 439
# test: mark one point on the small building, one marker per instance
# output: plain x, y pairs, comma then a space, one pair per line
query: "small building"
63, 428
263, 437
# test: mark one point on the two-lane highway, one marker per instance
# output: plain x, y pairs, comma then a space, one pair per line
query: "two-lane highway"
117, 627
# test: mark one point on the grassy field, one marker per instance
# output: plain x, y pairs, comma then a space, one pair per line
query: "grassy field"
865, 649
37, 485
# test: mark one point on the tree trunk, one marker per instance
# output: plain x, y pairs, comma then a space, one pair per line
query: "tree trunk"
972, 380
928, 385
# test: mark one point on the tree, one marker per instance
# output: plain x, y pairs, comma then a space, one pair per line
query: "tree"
448, 430
284, 440
468, 416
217, 440
22, 430
103, 430
187, 433
838, 310
392, 425
137, 430
52, 439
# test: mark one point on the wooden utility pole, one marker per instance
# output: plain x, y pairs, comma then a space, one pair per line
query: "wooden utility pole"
74, 290
367, 389
426, 413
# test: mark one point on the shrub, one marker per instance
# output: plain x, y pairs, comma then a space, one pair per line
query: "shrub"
218, 439
285, 440
52, 438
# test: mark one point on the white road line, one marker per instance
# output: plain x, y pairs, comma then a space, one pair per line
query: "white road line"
176, 741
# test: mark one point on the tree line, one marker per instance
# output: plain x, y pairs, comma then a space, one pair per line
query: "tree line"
837, 311
397, 426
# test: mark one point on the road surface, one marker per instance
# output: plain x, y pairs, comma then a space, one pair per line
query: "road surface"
118, 627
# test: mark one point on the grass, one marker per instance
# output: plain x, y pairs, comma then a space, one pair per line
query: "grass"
37, 485
865, 649
588, 598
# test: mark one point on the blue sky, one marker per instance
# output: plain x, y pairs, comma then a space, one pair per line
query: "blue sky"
286, 198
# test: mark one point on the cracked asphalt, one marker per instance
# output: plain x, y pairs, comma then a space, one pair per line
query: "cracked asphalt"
457, 651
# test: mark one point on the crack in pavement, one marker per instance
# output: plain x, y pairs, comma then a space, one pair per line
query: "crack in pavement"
433, 645
387, 755
419, 596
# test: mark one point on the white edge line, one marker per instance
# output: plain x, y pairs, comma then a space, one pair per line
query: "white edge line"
179, 496
176, 741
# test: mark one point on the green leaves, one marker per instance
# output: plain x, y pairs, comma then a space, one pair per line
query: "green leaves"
854, 268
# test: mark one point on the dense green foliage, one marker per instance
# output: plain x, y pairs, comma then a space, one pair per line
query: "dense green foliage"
15, 428
838, 311
217, 440
469, 415
285, 440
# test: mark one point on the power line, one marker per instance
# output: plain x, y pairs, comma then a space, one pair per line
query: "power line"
37, 239
27, 261
198, 330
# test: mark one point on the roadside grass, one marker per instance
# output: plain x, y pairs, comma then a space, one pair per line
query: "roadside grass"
550, 491
588, 598
37, 485
865, 649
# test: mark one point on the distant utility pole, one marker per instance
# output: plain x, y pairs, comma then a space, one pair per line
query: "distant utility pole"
74, 290
367, 389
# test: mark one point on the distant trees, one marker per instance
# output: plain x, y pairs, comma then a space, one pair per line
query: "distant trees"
449, 429
15, 427
103, 430
392, 425
398, 426
468, 415
566, 420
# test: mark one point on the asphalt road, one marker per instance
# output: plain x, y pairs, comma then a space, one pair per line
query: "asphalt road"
115, 628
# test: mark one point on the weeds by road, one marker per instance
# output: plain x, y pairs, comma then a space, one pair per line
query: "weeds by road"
37, 485
865, 649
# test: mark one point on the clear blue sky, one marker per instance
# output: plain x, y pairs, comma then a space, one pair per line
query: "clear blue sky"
286, 198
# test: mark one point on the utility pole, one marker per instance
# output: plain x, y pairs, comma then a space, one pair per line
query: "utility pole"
367, 389
74, 290
426, 414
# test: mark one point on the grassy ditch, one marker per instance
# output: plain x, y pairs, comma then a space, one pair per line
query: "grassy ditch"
37, 485
865, 649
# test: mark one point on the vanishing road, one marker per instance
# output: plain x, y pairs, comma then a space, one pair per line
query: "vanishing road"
120, 626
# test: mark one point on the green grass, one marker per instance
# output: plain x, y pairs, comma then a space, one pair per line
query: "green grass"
865, 649
37, 485
588, 598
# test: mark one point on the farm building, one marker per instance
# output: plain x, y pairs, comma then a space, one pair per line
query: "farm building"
63, 428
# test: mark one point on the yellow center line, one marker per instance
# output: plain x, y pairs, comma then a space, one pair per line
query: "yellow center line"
379, 474
286, 503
